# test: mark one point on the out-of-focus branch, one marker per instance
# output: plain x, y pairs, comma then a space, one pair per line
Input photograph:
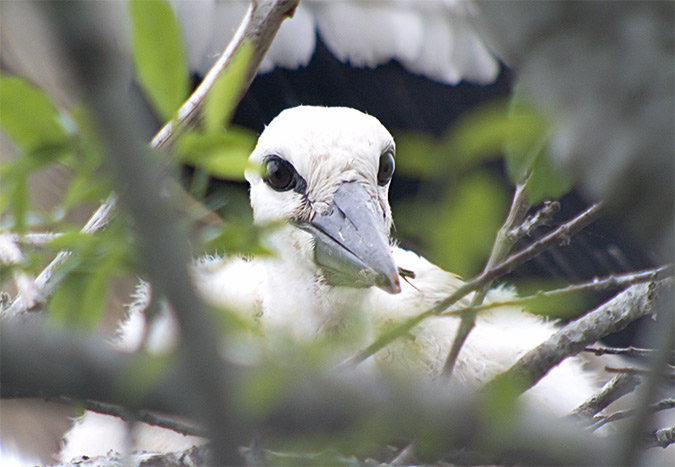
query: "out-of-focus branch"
140, 415
612, 316
41, 363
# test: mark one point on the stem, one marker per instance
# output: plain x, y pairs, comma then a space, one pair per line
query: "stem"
500, 248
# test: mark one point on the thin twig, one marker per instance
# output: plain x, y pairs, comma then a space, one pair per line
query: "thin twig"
613, 390
137, 416
641, 371
627, 351
562, 234
542, 216
594, 285
35, 239
600, 420
502, 245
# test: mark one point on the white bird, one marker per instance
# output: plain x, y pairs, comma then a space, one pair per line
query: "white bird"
334, 273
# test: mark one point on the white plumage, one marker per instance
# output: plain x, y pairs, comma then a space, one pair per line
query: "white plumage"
323, 184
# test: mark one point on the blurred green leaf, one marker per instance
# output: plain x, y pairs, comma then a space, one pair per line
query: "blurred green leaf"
15, 176
526, 152
159, 55
547, 181
80, 299
222, 154
222, 98
525, 141
419, 155
28, 117
467, 223
478, 135
235, 236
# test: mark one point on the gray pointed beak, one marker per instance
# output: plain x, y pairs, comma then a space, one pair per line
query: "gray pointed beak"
349, 246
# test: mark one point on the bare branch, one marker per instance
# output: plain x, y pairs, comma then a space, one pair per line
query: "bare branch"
600, 420
594, 285
610, 317
613, 390
542, 216
641, 371
661, 438
627, 351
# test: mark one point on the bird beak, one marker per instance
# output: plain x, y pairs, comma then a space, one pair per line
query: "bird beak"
349, 246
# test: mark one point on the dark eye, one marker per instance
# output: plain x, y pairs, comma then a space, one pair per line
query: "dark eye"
386, 170
279, 174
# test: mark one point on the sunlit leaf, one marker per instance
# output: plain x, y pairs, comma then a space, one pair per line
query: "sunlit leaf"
27, 115
222, 99
159, 55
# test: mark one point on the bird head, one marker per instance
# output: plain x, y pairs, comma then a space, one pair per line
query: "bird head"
326, 172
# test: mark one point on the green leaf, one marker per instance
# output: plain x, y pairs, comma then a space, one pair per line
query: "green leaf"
222, 154
465, 230
526, 139
223, 97
418, 155
478, 135
28, 117
159, 55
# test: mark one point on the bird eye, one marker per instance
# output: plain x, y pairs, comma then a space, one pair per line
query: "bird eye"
279, 174
386, 170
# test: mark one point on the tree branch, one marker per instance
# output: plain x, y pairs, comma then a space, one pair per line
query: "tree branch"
627, 351
613, 390
612, 316
594, 285
56, 363
600, 420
